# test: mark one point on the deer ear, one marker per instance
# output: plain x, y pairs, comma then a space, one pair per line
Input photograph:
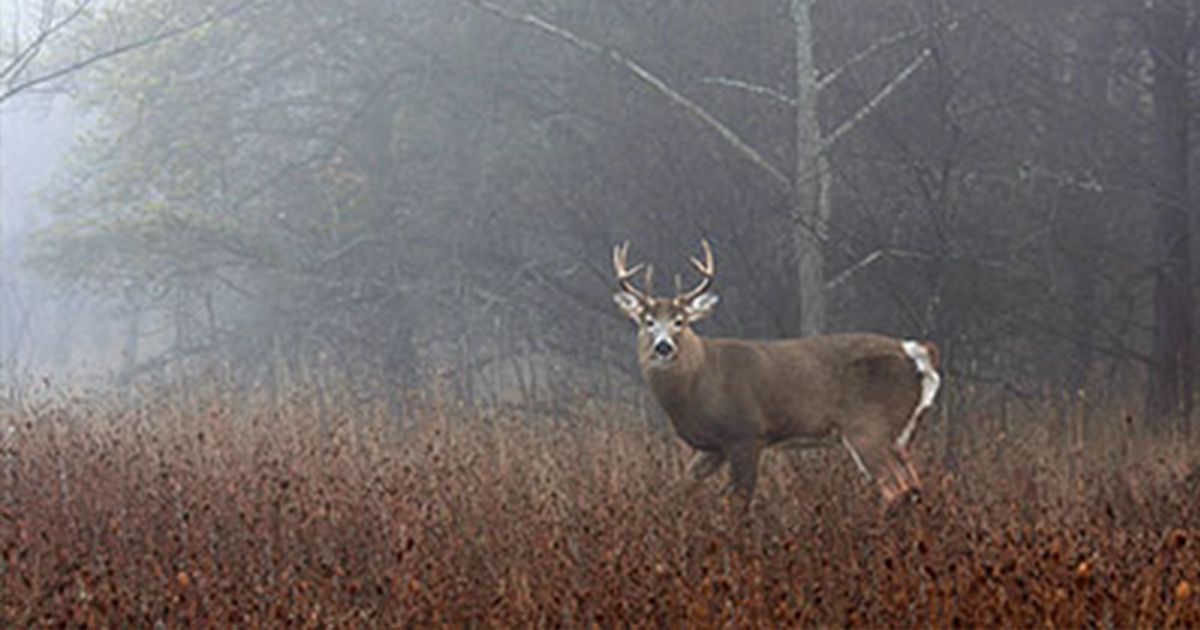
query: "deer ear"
701, 306
630, 304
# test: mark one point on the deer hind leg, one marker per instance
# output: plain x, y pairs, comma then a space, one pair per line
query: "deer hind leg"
901, 454
888, 467
902, 465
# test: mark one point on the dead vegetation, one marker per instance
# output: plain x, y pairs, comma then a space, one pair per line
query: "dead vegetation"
275, 516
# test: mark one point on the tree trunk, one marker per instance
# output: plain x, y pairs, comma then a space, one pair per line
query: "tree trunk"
1170, 388
810, 200
1090, 71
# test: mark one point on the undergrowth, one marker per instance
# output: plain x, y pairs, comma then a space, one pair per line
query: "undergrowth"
279, 515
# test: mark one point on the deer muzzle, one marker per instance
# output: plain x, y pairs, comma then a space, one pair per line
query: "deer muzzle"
662, 347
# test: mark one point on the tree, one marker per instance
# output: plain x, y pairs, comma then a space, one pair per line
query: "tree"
812, 209
387, 194
807, 187
32, 59
1171, 393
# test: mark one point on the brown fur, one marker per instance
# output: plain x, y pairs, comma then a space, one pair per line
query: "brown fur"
731, 398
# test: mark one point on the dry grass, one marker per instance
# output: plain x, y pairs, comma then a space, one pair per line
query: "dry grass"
268, 517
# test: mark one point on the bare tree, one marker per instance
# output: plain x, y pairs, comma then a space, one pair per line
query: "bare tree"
1173, 365
807, 186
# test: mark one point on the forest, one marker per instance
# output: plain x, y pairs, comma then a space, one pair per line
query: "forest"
343, 273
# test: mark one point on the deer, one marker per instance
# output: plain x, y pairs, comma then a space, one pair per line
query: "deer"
729, 399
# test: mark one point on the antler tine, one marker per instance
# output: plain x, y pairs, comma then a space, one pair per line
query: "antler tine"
624, 274
707, 269
620, 256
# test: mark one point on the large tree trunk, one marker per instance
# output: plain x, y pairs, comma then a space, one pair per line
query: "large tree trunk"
1170, 387
810, 201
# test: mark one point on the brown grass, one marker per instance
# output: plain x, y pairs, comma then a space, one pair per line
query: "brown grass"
269, 517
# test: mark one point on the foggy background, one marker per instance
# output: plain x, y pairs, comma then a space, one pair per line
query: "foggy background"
379, 198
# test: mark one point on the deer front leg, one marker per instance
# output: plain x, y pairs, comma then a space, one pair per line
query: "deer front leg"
743, 469
703, 464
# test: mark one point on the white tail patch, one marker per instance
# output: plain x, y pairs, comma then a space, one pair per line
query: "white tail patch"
930, 381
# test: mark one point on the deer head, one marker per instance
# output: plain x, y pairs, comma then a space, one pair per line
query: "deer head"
664, 324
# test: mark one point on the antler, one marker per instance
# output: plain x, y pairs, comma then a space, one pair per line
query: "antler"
707, 269
625, 275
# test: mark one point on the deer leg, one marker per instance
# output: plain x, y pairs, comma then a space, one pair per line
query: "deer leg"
906, 468
857, 457
880, 465
908, 483
904, 481
703, 464
743, 469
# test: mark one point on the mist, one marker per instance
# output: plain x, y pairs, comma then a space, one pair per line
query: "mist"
382, 195
384, 208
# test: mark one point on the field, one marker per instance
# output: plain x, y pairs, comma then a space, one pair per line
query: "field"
219, 514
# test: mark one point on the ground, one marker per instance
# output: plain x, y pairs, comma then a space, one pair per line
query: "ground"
228, 513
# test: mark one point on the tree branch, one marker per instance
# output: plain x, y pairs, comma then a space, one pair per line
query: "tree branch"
25, 55
870, 259
15, 89
873, 104
758, 90
585, 45
825, 80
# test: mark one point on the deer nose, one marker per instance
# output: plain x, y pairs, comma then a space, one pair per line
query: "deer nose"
663, 348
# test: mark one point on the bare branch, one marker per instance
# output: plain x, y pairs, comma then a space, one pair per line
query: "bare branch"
17, 88
585, 45
873, 104
25, 55
869, 260
758, 90
827, 79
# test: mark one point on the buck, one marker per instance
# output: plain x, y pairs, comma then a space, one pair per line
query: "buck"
731, 398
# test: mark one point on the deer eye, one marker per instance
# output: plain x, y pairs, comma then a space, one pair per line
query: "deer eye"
679, 322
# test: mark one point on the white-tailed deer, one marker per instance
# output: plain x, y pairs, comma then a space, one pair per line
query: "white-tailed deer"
731, 398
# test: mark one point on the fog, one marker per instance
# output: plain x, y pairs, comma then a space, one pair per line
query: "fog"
34, 136
385, 198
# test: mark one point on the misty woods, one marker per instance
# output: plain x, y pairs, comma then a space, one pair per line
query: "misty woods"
402, 197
